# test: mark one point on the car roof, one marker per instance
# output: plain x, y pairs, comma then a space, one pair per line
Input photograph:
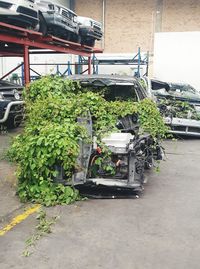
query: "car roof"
105, 79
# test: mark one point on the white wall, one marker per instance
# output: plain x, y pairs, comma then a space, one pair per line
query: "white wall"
8, 63
177, 57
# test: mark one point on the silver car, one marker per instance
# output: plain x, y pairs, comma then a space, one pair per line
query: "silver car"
22, 13
58, 20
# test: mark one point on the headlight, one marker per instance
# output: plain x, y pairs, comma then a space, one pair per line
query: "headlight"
1, 96
16, 95
57, 9
75, 19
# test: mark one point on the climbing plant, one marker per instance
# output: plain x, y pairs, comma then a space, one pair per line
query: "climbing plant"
52, 134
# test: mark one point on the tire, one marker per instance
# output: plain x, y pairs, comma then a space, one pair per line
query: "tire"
11, 124
76, 38
89, 43
42, 25
67, 36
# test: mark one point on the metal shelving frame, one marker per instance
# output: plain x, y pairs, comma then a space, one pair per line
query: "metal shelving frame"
19, 42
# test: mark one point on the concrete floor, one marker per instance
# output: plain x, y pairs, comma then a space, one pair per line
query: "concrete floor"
159, 230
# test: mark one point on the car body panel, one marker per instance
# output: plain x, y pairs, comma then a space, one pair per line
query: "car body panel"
20, 12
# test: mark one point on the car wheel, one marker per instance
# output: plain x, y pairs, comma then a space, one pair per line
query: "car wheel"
90, 42
42, 25
76, 38
11, 124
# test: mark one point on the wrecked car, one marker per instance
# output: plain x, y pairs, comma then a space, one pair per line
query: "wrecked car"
130, 152
178, 103
11, 104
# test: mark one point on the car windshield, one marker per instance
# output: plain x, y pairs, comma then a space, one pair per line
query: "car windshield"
185, 91
121, 93
116, 92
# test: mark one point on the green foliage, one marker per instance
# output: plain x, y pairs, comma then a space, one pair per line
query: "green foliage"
52, 134
150, 119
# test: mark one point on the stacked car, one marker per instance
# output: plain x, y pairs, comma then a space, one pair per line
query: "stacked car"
51, 18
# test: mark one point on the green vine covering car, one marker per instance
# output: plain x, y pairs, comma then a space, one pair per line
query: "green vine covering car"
130, 151
90, 132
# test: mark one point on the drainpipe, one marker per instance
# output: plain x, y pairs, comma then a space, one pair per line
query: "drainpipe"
72, 4
103, 22
159, 15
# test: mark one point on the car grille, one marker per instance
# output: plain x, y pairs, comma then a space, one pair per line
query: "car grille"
97, 27
186, 129
66, 14
194, 129
27, 11
179, 128
5, 5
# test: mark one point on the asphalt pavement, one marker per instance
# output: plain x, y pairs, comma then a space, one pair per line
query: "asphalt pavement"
161, 229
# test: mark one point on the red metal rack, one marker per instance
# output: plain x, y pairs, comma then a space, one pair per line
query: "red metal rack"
20, 42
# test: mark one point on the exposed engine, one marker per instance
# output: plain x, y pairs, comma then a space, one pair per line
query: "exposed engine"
128, 158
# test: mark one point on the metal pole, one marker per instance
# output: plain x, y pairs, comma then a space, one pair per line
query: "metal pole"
139, 62
93, 63
22, 73
69, 69
147, 66
26, 65
89, 65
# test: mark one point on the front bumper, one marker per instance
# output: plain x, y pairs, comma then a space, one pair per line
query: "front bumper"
58, 21
186, 127
10, 109
90, 32
22, 15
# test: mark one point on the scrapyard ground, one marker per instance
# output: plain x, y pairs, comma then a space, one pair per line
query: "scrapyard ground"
159, 230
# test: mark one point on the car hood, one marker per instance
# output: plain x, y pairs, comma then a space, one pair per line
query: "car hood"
7, 86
